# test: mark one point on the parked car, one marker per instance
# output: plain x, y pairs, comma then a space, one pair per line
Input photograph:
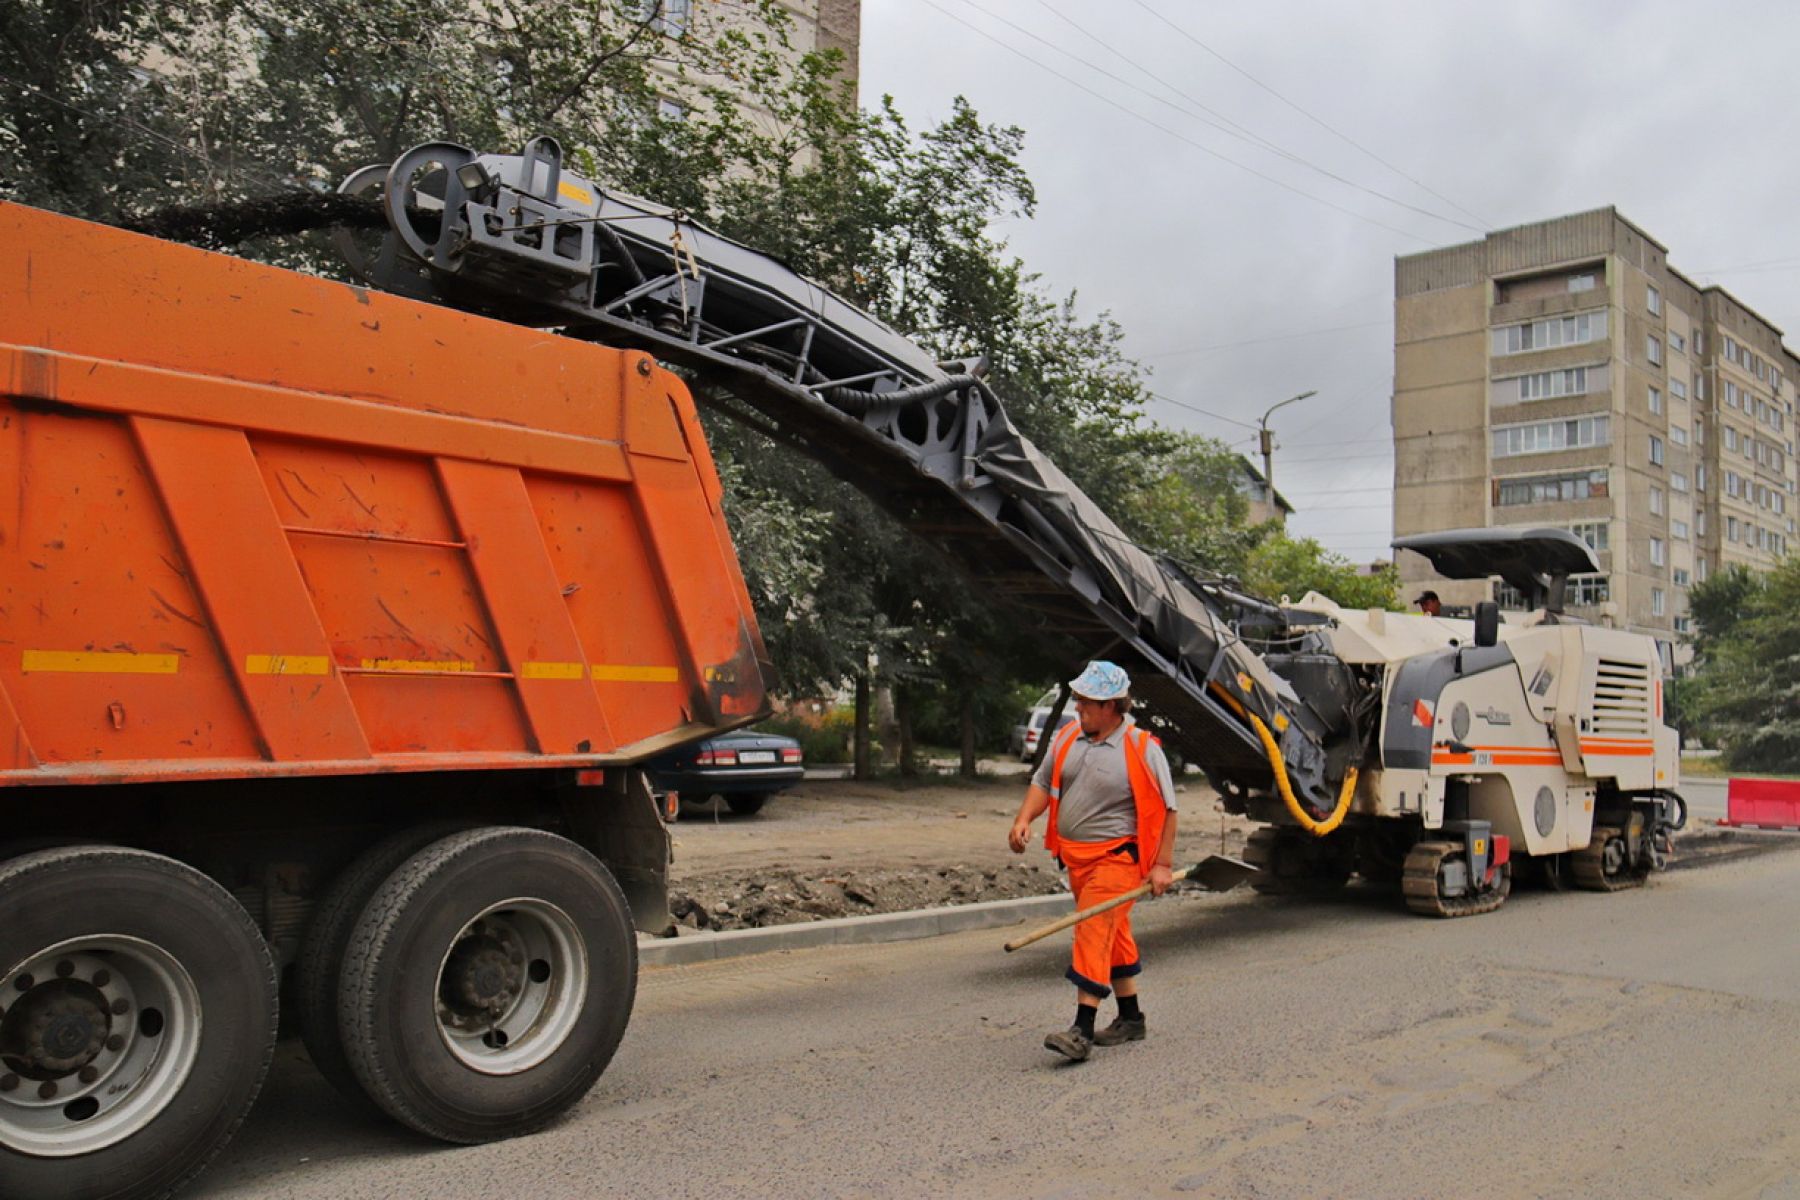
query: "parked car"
745, 767
1034, 729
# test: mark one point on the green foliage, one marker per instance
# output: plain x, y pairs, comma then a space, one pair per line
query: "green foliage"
1185, 502
824, 741
1281, 565
1745, 691
115, 107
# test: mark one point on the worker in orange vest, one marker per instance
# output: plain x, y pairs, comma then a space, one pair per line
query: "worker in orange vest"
1106, 785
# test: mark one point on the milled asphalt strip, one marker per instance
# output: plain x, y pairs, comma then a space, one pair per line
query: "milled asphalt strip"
850, 931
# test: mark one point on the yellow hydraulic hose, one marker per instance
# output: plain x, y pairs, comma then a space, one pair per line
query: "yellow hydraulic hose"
1307, 821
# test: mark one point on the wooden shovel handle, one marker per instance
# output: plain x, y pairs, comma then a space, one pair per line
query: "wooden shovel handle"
1076, 918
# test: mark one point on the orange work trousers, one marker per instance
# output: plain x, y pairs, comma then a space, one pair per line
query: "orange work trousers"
1105, 951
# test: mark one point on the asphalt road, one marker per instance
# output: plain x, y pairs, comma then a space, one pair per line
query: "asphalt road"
1631, 1045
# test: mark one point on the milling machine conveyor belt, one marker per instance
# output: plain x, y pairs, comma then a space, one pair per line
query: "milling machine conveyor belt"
521, 239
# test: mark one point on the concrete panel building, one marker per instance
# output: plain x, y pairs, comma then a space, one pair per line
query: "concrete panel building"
1564, 374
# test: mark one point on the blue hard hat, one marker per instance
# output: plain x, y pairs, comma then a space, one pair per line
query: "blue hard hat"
1101, 681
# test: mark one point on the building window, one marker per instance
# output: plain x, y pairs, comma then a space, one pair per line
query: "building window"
1584, 591
1731, 394
1699, 477
1550, 489
1557, 331
1582, 283
1656, 451
1700, 570
1656, 501
1678, 435
1587, 590
670, 16
1731, 529
1679, 577
1699, 387
1730, 438
1678, 529
1653, 302
1678, 389
1684, 624
1656, 552
1677, 481
1543, 437
1700, 527
1656, 602
1594, 533
1656, 400
1734, 486
1545, 385
1677, 342
1653, 351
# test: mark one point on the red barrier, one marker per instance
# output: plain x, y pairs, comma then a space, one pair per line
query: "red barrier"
1762, 804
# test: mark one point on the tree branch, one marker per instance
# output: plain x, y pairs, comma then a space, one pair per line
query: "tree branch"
602, 59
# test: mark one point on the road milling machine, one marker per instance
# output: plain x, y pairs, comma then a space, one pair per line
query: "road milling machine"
1444, 754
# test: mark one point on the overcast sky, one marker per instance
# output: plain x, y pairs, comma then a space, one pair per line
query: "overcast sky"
1237, 291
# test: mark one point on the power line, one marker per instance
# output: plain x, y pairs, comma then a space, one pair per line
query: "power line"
1486, 224
1236, 129
1202, 411
1204, 149
1379, 487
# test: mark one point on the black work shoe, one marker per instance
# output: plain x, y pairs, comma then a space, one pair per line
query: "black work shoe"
1122, 1030
1071, 1043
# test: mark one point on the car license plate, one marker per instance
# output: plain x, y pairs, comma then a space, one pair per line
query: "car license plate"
756, 756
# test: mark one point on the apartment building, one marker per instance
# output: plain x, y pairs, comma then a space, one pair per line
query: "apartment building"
813, 25
1564, 374
1265, 503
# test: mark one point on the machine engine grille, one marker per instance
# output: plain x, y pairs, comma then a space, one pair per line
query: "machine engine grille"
1622, 699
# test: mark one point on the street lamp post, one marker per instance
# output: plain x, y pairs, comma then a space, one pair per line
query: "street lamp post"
1268, 442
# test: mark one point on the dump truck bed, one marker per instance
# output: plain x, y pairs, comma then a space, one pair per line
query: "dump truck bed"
258, 523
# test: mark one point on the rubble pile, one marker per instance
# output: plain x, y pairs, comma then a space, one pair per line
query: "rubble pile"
787, 897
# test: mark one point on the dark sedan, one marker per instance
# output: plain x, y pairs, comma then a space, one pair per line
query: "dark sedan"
744, 767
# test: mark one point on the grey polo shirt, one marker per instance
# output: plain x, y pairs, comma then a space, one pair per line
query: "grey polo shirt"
1096, 804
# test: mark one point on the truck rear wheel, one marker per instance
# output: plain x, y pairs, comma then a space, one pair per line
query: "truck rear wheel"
322, 950
139, 1019
487, 984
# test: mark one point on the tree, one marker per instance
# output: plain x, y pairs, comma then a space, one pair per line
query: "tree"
1282, 565
1745, 690
115, 107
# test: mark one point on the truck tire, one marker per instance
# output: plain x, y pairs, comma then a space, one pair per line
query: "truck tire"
746, 804
487, 984
315, 988
139, 1022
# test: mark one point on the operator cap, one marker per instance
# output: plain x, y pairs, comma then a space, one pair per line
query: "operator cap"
1101, 681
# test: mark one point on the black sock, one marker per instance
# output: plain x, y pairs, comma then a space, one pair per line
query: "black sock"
1128, 1009
1084, 1018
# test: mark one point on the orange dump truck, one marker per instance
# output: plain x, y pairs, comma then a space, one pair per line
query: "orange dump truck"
330, 623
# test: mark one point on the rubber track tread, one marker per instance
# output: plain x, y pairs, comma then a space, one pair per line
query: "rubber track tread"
1588, 865
1419, 883
80, 859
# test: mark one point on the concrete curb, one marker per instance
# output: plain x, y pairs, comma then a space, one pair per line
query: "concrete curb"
850, 931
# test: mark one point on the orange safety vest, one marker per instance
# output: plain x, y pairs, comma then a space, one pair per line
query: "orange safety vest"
1152, 807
